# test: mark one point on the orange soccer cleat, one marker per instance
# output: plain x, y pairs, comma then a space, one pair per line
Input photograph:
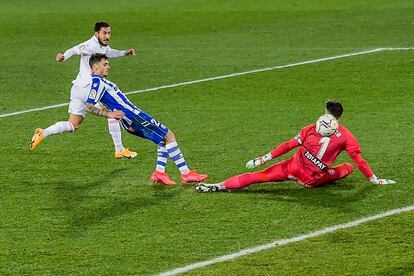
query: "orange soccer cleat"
161, 177
126, 153
37, 138
192, 176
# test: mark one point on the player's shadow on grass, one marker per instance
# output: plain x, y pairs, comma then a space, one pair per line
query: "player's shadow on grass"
336, 195
89, 204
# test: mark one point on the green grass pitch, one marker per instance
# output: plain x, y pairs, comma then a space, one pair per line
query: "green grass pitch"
70, 208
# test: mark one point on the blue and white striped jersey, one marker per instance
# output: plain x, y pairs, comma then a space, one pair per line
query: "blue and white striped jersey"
107, 93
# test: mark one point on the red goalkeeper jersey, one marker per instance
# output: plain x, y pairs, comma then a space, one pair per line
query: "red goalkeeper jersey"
317, 153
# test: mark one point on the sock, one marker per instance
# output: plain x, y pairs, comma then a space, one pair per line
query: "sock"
58, 128
115, 131
162, 157
175, 153
241, 181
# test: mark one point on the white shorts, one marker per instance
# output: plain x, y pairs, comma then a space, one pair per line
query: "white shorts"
78, 97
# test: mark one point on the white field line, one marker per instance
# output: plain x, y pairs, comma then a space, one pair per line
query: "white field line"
281, 242
220, 77
399, 49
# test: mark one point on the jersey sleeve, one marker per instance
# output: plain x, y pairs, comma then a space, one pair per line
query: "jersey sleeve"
80, 49
301, 136
112, 53
351, 145
290, 144
96, 92
284, 148
354, 150
362, 165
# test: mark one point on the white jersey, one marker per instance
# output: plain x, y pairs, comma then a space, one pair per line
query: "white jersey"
85, 50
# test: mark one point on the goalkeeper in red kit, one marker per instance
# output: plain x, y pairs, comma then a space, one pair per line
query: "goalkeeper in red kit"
311, 164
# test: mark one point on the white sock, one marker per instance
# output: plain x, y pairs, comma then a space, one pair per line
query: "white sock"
58, 128
115, 131
162, 157
175, 153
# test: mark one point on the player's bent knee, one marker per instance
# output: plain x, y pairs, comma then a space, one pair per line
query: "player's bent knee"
170, 137
75, 121
349, 167
74, 125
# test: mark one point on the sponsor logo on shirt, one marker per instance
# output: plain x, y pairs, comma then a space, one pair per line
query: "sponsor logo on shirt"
318, 163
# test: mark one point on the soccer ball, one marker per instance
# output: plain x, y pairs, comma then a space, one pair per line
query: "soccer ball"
327, 125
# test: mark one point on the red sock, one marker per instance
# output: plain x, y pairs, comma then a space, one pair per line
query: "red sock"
275, 173
241, 181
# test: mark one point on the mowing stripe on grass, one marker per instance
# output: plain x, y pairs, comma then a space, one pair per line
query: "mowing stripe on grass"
281, 242
220, 77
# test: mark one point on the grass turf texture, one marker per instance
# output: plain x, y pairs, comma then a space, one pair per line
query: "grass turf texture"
69, 207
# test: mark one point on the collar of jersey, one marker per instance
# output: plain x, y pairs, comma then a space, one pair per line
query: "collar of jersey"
95, 39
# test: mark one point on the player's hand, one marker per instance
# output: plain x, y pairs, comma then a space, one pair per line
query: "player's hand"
258, 161
129, 52
116, 114
377, 181
103, 107
384, 182
60, 57
254, 163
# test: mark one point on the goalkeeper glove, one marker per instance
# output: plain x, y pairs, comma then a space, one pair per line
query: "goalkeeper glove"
258, 161
376, 181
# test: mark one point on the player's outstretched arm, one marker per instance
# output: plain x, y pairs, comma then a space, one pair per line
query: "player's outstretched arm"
278, 151
364, 167
80, 49
69, 53
117, 114
113, 53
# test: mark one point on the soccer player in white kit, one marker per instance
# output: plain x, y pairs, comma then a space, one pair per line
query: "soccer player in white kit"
99, 43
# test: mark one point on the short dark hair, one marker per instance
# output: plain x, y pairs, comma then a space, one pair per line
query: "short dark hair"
99, 25
334, 108
96, 58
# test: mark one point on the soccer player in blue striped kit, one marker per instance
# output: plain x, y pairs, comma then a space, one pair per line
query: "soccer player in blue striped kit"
136, 122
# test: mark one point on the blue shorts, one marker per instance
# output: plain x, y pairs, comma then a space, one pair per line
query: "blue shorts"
145, 126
